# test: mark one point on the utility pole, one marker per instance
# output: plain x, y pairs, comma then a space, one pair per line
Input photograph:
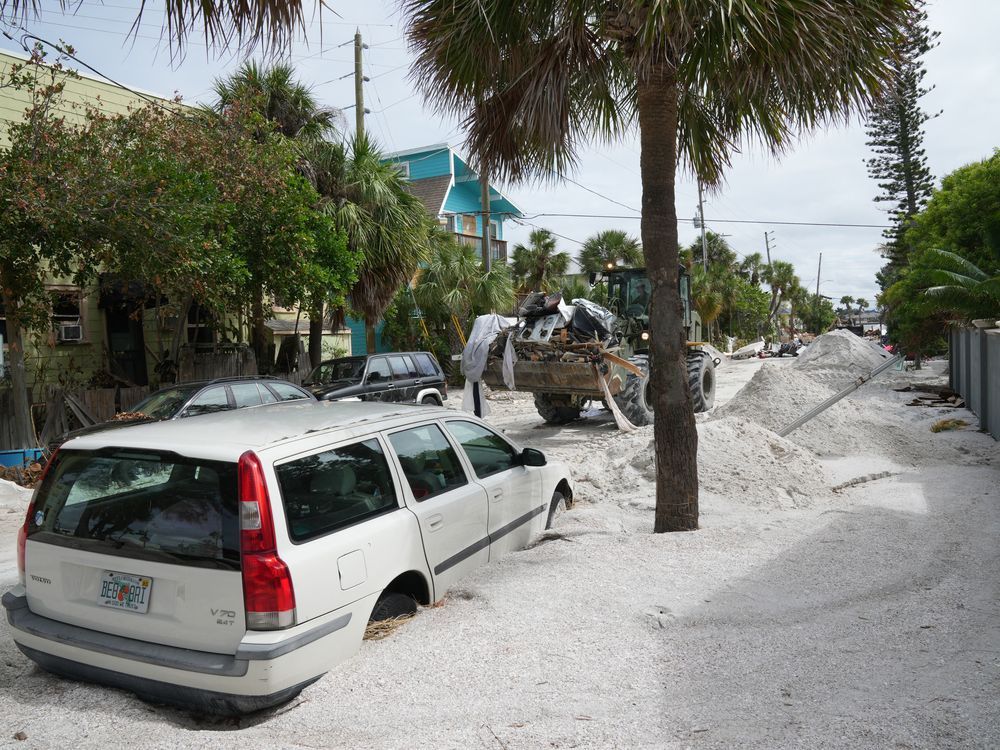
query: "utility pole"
819, 270
704, 239
484, 188
767, 244
359, 90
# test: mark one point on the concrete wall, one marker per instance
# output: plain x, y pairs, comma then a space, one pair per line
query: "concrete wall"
975, 373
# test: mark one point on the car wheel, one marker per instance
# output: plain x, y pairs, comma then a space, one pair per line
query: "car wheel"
556, 508
393, 604
430, 401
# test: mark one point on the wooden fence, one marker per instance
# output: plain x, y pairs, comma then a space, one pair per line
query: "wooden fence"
222, 363
52, 418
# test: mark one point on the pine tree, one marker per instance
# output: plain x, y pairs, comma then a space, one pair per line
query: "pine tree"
895, 127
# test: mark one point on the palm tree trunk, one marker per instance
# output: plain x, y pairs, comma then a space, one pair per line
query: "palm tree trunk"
24, 433
674, 431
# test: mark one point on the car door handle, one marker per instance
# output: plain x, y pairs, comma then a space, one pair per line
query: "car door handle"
497, 495
435, 522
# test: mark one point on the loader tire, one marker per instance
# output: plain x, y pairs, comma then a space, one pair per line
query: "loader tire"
636, 397
557, 409
701, 381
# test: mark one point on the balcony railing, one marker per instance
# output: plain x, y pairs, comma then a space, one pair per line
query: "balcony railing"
498, 248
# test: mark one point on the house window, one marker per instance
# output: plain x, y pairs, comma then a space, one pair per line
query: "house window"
447, 222
67, 315
403, 167
200, 325
469, 225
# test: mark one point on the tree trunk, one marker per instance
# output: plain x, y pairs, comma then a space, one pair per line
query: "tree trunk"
24, 433
369, 336
259, 334
676, 437
316, 334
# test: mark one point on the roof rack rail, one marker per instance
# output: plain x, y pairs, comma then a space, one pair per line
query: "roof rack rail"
232, 378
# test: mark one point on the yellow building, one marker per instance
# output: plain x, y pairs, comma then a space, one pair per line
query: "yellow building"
112, 330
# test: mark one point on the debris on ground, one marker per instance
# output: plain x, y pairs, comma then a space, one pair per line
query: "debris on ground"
25, 476
379, 629
948, 424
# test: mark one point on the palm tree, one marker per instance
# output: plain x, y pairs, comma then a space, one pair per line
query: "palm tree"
609, 248
847, 301
535, 79
455, 284
707, 295
862, 304
537, 266
960, 286
369, 200
751, 267
275, 93
798, 300
780, 276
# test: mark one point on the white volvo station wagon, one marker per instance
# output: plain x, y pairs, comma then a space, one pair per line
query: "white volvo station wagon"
225, 565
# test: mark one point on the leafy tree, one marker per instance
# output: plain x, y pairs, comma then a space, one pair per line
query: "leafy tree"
798, 301
537, 266
610, 248
720, 253
818, 314
862, 304
896, 131
963, 215
699, 79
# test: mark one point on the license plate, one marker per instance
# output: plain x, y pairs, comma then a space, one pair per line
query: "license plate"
124, 591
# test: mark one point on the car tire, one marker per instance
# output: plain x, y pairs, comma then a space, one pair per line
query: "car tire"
393, 604
556, 508
430, 401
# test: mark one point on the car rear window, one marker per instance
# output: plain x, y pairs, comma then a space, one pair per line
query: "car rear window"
287, 392
426, 365
399, 368
146, 505
336, 488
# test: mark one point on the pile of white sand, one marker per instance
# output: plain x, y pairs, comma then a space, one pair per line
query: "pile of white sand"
737, 459
842, 350
13, 497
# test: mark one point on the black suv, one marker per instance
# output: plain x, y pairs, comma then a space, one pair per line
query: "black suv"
396, 376
201, 397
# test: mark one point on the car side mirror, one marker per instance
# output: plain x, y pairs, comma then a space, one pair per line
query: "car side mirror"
532, 457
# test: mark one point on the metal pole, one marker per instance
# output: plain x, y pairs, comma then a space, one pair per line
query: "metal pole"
704, 240
836, 397
359, 91
767, 245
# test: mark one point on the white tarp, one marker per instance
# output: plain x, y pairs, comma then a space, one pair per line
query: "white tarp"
477, 349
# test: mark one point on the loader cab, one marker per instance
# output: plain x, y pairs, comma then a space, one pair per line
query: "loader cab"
629, 292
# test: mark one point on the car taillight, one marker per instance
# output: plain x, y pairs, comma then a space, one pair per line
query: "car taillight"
267, 585
22, 533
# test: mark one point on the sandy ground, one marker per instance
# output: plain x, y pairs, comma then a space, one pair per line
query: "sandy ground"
863, 617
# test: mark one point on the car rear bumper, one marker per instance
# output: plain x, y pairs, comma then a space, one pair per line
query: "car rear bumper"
264, 671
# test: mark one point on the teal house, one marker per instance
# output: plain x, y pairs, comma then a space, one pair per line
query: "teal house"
451, 192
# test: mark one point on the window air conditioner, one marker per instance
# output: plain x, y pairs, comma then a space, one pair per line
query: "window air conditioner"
70, 332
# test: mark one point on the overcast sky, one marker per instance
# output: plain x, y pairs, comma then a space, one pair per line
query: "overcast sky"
822, 180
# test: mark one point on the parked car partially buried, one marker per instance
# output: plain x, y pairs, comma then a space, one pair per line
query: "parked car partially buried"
199, 397
413, 377
224, 563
